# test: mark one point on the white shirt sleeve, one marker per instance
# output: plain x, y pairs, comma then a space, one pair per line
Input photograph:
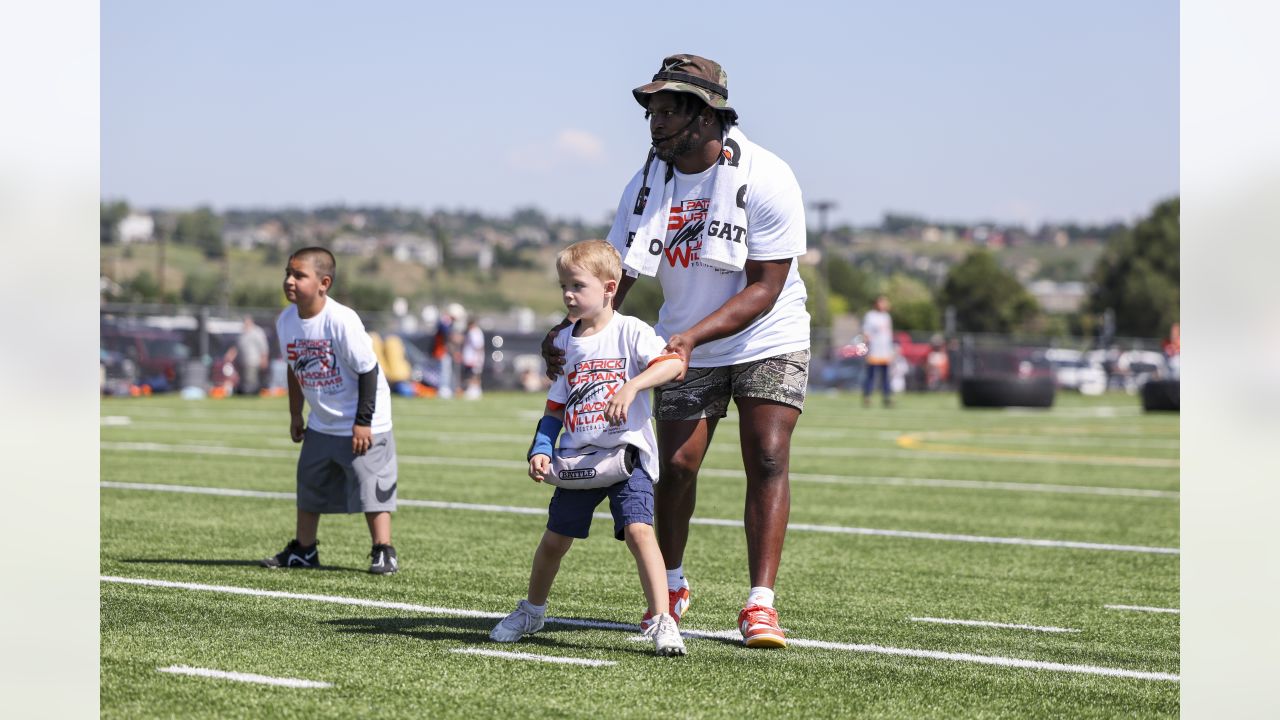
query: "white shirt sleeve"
645, 344
355, 344
775, 216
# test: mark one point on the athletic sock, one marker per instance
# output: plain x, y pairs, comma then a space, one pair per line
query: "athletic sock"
676, 579
537, 609
761, 596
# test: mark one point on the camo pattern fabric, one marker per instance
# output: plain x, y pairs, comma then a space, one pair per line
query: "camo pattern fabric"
705, 392
700, 67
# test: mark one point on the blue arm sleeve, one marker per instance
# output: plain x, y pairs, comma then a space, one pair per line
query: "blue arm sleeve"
544, 438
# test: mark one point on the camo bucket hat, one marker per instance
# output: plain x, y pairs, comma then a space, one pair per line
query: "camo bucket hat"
689, 74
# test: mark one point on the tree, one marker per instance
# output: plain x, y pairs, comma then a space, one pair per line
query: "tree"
1138, 274
850, 282
987, 298
912, 306
203, 229
109, 217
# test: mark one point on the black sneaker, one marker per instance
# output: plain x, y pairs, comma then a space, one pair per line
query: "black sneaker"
384, 560
294, 556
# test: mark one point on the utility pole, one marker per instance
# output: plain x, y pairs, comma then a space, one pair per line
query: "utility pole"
823, 206
160, 262
824, 269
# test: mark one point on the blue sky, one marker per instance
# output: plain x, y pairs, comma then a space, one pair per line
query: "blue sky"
1013, 111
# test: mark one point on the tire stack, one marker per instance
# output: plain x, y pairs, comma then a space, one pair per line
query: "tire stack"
1007, 392
1160, 396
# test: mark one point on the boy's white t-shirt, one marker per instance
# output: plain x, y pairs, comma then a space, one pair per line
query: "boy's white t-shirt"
596, 367
327, 353
692, 290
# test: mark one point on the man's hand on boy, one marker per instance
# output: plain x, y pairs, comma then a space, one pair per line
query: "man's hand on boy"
361, 439
681, 345
539, 467
552, 355
297, 428
616, 411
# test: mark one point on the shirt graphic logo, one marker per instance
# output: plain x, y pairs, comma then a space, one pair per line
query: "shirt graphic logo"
687, 219
591, 384
315, 365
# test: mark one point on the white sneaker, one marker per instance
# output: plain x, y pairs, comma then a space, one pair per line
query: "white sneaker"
524, 621
666, 636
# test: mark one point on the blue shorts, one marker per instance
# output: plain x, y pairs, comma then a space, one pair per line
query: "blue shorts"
630, 501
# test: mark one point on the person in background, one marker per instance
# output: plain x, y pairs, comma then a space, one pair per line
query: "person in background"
937, 365
877, 328
440, 351
472, 359
253, 353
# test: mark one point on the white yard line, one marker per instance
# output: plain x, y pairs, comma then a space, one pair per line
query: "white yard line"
981, 439
243, 677
197, 449
536, 658
1140, 608
987, 623
971, 485
805, 527
697, 634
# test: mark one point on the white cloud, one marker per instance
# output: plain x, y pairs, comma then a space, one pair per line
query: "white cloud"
580, 145
569, 148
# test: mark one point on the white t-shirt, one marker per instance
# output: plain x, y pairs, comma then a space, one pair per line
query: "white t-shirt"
327, 353
473, 348
877, 326
692, 290
596, 366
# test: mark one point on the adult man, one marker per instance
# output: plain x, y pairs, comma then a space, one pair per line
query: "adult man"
722, 232
252, 355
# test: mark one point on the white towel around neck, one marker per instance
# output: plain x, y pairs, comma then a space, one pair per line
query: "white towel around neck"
724, 236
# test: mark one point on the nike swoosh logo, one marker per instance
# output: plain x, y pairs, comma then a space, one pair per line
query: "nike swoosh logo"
382, 495
309, 555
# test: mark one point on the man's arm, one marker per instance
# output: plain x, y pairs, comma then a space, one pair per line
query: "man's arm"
765, 280
623, 286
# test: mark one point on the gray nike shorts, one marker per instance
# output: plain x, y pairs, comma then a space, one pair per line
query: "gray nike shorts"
332, 479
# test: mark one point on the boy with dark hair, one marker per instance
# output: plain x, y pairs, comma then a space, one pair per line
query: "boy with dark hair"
348, 458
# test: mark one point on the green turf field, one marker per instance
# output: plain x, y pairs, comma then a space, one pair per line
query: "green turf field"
1039, 519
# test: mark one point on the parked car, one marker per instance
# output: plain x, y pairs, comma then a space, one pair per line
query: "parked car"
159, 355
1073, 370
116, 373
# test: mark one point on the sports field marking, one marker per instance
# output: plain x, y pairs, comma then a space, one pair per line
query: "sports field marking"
1140, 608
697, 634
536, 658
914, 444
986, 623
243, 677
967, 484
198, 449
279, 428
806, 527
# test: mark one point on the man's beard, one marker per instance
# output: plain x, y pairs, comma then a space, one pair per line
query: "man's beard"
682, 146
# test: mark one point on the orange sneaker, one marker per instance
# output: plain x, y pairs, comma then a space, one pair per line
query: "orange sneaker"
759, 626
677, 603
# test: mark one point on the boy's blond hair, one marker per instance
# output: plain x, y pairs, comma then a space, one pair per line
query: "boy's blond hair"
595, 256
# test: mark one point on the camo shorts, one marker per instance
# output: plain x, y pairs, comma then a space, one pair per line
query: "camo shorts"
705, 392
